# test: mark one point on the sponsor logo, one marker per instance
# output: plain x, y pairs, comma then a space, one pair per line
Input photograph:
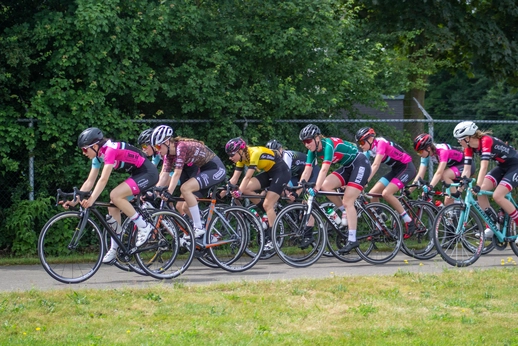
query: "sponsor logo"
404, 178
502, 148
359, 177
219, 174
515, 177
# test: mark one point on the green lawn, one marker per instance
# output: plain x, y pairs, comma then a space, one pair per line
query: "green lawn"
474, 307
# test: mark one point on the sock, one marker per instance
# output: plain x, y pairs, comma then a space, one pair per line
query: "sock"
195, 215
405, 217
138, 220
268, 233
514, 216
352, 235
114, 244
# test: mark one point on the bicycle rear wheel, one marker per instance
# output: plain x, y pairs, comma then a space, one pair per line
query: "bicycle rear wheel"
379, 233
288, 232
167, 254
459, 238
69, 254
235, 239
421, 245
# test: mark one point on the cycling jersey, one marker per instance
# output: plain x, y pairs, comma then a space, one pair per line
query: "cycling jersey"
391, 152
334, 150
123, 156
187, 153
444, 153
295, 160
491, 148
260, 158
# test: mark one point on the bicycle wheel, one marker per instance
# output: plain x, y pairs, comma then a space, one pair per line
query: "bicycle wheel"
289, 231
70, 254
421, 245
231, 233
379, 232
167, 254
459, 238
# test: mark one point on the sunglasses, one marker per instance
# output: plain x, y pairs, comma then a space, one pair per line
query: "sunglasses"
308, 141
361, 143
145, 146
85, 149
157, 147
420, 151
463, 139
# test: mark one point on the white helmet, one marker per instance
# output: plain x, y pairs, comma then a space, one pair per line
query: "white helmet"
465, 128
161, 134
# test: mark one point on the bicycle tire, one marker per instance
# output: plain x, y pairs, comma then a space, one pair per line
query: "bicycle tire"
421, 245
230, 233
66, 264
289, 249
380, 238
167, 254
458, 238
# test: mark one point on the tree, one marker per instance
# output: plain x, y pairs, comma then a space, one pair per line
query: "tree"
433, 35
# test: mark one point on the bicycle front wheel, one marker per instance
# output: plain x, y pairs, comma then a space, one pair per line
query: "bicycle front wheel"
379, 233
290, 236
458, 237
421, 245
69, 254
235, 239
170, 249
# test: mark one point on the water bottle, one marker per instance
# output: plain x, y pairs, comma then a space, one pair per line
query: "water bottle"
501, 216
439, 204
334, 216
113, 224
264, 219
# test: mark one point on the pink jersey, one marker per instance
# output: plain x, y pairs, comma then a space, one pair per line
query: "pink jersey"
391, 152
188, 152
121, 155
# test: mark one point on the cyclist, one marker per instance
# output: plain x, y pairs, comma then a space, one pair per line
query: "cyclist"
295, 160
179, 153
353, 173
450, 162
275, 174
403, 170
116, 156
502, 178
144, 141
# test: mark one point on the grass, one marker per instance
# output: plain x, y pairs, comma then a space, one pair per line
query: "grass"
470, 307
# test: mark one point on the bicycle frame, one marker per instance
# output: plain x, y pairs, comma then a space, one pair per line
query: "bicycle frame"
500, 234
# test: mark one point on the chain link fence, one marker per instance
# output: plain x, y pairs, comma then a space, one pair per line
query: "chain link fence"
20, 184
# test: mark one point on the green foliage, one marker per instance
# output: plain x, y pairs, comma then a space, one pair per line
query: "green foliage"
25, 217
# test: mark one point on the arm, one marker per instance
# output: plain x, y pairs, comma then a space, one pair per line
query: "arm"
246, 180
99, 187
438, 173
484, 164
375, 166
163, 179
173, 183
307, 173
420, 174
322, 175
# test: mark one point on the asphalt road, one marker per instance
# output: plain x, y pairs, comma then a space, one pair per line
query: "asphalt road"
24, 278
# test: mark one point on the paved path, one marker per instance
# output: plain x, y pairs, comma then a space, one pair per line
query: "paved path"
23, 278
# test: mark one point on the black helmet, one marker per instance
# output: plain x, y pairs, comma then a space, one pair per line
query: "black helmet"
310, 131
234, 145
364, 133
273, 144
89, 137
422, 141
145, 137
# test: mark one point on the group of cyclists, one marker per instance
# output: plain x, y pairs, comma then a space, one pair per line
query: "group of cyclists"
191, 166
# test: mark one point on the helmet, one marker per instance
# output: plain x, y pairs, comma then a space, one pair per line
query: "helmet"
273, 144
161, 134
233, 146
90, 136
422, 141
310, 131
465, 128
364, 133
145, 137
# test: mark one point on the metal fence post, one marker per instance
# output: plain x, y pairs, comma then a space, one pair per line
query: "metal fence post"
430, 132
